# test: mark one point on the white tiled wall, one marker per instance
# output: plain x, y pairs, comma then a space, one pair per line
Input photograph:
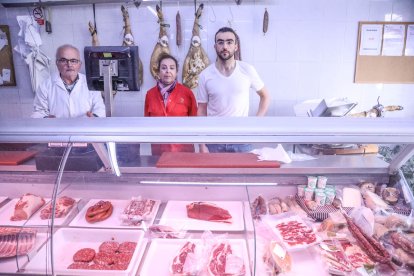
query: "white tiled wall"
308, 52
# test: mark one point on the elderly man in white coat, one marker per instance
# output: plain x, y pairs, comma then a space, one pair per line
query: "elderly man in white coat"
67, 95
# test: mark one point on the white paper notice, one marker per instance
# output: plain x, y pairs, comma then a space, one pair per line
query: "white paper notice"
3, 39
371, 38
393, 42
409, 43
6, 75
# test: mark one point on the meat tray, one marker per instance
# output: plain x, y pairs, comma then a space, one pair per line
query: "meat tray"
8, 265
114, 221
290, 217
67, 241
162, 251
175, 215
6, 212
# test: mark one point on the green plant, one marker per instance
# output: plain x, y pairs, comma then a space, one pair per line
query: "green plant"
388, 153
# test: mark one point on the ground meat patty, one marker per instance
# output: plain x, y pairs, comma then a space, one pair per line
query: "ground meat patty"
99, 267
104, 258
127, 247
119, 267
78, 265
109, 247
123, 258
84, 255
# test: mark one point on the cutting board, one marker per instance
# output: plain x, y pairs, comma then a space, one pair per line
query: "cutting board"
15, 157
212, 160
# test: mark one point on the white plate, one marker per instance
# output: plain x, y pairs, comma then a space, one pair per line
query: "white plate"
287, 217
7, 211
8, 265
175, 215
68, 240
114, 221
162, 251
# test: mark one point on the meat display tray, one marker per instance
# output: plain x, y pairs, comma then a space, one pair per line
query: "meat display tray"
213, 160
162, 251
67, 241
175, 215
7, 211
114, 221
8, 265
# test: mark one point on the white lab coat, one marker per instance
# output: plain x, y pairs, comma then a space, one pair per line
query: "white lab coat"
52, 98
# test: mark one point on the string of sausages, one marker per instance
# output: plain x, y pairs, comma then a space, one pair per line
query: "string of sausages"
372, 247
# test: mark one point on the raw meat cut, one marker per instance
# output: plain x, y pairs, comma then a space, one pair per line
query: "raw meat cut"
208, 211
137, 210
177, 266
27, 205
223, 262
16, 241
63, 205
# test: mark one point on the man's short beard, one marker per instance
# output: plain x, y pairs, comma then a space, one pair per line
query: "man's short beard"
226, 58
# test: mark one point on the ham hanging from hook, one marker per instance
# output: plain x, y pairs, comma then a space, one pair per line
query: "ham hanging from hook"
196, 59
129, 40
162, 45
94, 34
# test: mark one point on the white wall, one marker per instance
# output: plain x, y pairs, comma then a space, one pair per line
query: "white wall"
308, 52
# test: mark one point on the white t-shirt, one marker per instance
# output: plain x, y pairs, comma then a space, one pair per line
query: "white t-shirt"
228, 96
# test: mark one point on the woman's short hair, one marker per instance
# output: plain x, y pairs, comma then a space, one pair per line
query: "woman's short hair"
166, 56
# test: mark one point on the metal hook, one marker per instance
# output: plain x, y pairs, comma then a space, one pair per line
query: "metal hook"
195, 6
378, 100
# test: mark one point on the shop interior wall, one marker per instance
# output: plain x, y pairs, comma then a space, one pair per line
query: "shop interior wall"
308, 52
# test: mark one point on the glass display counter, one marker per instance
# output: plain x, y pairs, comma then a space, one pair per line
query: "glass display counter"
122, 211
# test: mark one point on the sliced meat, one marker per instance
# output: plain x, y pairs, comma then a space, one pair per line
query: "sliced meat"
63, 205
177, 266
223, 262
84, 255
109, 247
127, 247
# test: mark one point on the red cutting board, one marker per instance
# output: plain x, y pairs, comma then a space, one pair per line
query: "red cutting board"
212, 160
15, 157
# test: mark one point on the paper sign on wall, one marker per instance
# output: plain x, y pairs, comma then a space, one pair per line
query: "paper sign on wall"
6, 75
371, 39
393, 41
409, 43
3, 39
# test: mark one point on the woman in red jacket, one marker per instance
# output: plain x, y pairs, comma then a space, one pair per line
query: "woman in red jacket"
169, 98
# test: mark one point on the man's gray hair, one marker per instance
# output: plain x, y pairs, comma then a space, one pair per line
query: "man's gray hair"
65, 46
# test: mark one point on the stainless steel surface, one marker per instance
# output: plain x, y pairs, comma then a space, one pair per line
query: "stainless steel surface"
213, 130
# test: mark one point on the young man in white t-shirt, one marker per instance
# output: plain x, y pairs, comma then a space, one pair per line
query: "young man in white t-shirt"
224, 88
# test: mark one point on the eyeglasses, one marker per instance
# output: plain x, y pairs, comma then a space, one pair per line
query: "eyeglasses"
72, 61
228, 42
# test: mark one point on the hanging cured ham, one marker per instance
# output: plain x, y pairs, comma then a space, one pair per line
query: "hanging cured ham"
162, 44
129, 40
94, 34
197, 58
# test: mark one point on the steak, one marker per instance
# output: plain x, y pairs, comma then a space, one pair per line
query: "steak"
208, 211
177, 266
223, 262
63, 205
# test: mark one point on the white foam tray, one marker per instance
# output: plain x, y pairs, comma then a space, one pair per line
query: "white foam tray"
7, 211
68, 240
162, 251
175, 215
114, 221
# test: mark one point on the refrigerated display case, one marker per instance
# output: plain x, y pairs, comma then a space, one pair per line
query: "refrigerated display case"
127, 176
